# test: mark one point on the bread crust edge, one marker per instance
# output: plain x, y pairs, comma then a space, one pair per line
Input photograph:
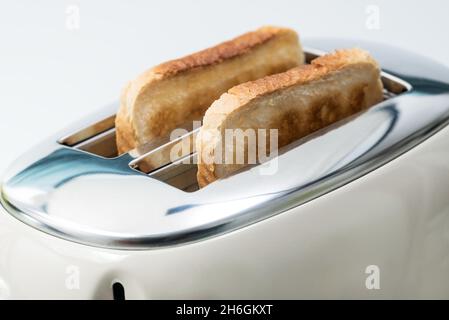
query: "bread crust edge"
126, 137
243, 94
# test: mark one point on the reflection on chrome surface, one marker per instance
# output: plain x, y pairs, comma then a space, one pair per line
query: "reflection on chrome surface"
72, 194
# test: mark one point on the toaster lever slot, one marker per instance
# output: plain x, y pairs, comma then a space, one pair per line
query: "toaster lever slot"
118, 291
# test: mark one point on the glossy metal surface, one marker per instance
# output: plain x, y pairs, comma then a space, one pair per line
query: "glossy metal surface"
103, 202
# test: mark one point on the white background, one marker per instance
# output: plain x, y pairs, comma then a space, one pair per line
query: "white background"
51, 75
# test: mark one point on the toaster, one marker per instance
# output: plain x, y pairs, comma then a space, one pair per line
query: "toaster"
358, 210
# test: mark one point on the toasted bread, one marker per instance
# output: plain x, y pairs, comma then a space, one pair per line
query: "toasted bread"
179, 91
296, 103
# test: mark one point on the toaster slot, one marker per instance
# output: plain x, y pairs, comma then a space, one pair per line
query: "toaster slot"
103, 144
89, 132
163, 154
98, 139
393, 85
180, 174
173, 162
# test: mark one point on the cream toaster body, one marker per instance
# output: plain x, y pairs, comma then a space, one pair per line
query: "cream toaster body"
360, 210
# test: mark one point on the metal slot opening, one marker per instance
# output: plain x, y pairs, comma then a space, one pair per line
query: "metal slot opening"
180, 174
157, 159
118, 291
98, 139
103, 145
393, 86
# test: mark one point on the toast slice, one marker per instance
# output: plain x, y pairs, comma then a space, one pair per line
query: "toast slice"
296, 103
180, 91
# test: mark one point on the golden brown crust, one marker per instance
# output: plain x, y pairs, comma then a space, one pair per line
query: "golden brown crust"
277, 102
125, 133
303, 74
125, 136
203, 59
221, 52
155, 102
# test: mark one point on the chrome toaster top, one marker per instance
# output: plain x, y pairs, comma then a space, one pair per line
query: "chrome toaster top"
74, 185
